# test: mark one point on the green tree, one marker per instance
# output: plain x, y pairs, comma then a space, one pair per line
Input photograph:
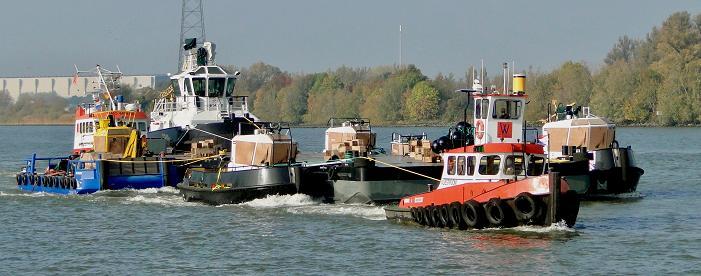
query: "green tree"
679, 50
422, 102
623, 50
573, 83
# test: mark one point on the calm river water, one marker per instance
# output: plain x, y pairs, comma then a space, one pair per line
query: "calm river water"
154, 231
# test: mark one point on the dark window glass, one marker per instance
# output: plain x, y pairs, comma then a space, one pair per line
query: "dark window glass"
513, 165
489, 165
470, 165
198, 85
216, 87
230, 82
461, 165
506, 109
485, 108
176, 86
535, 165
478, 108
188, 86
451, 165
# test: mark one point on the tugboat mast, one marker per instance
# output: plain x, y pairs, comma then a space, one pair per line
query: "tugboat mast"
191, 26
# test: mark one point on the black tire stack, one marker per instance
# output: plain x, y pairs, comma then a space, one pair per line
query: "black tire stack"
524, 209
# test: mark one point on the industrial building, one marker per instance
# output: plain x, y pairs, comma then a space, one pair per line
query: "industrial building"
66, 86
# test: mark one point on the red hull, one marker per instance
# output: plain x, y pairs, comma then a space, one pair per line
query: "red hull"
482, 192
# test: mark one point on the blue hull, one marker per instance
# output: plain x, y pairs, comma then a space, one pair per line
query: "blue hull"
87, 177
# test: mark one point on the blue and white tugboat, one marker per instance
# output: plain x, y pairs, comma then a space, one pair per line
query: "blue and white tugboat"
200, 103
107, 153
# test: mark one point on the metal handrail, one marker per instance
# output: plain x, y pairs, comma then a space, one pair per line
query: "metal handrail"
232, 104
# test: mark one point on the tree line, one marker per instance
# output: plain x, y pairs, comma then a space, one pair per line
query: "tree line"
655, 80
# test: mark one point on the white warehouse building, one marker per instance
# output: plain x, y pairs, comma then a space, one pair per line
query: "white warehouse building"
65, 86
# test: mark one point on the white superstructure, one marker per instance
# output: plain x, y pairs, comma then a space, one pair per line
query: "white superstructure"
203, 92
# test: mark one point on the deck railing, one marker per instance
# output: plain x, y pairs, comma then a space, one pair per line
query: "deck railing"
228, 105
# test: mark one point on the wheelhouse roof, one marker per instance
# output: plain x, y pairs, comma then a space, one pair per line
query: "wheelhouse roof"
500, 148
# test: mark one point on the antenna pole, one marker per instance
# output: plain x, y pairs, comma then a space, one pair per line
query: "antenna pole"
484, 83
400, 45
506, 68
191, 26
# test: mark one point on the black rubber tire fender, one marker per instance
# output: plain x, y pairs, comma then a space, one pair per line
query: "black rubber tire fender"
472, 214
497, 212
74, 183
19, 179
526, 207
444, 216
436, 216
414, 216
420, 215
454, 216
426, 214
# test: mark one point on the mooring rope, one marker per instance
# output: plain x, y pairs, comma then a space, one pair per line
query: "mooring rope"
399, 168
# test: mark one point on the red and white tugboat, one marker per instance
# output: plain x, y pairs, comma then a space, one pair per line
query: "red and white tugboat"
87, 115
492, 177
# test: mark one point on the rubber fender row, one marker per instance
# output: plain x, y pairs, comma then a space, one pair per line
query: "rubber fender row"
471, 214
63, 182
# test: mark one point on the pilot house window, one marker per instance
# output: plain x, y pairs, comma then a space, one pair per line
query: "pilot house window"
485, 108
199, 86
461, 165
513, 165
506, 109
451, 165
216, 87
470, 165
535, 165
176, 86
230, 86
489, 165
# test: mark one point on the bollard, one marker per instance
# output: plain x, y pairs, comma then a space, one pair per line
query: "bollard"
554, 198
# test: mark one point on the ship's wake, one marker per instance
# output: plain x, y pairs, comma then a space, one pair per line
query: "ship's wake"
300, 204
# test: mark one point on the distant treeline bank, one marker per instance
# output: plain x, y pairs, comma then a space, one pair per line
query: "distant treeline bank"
655, 80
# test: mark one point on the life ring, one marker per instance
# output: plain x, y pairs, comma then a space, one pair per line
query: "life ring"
497, 212
426, 214
444, 216
436, 216
472, 214
526, 207
479, 129
454, 215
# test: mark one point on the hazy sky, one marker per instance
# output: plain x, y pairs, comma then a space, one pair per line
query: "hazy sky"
47, 37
